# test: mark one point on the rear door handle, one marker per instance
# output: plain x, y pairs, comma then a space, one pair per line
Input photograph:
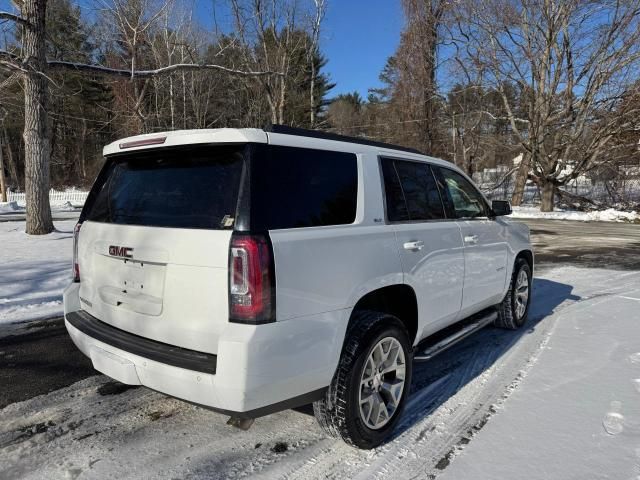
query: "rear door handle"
415, 245
473, 239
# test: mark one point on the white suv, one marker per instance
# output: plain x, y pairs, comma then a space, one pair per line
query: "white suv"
251, 271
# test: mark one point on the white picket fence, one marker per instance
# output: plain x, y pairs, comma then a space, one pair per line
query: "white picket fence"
75, 197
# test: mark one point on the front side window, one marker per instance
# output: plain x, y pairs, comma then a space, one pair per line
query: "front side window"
411, 191
466, 200
299, 187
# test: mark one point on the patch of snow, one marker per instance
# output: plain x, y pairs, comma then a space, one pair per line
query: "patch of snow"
66, 206
33, 271
608, 215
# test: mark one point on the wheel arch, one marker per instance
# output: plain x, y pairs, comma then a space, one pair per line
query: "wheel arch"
398, 300
528, 257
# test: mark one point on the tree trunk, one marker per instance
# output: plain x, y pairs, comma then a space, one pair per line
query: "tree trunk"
3, 185
312, 97
521, 180
36, 135
548, 196
83, 154
11, 164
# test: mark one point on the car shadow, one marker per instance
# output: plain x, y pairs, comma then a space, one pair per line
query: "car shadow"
437, 380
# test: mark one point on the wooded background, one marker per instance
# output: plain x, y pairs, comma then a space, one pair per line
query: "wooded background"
552, 83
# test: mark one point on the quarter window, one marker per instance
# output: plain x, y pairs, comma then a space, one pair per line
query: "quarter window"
411, 191
466, 200
299, 187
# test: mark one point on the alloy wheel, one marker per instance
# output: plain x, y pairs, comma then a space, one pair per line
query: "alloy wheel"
382, 383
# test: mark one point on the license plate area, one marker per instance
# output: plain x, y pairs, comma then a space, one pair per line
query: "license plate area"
132, 276
133, 285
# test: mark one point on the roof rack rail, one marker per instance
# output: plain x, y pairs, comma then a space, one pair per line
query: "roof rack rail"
303, 132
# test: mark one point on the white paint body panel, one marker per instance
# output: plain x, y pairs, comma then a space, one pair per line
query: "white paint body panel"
485, 271
175, 284
435, 272
190, 137
179, 296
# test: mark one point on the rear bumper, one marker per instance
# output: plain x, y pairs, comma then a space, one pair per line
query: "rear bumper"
258, 370
140, 346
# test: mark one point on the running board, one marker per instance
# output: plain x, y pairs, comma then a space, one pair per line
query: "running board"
477, 322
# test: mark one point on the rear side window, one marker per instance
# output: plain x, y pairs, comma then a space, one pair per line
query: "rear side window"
299, 187
182, 188
411, 191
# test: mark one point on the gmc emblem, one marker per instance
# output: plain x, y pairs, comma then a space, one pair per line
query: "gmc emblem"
124, 252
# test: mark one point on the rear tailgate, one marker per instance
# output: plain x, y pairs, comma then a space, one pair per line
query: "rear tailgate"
153, 246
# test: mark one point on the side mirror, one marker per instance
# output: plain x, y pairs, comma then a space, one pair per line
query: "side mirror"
501, 208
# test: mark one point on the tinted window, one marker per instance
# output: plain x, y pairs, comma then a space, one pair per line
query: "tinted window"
396, 205
418, 191
187, 188
466, 200
298, 187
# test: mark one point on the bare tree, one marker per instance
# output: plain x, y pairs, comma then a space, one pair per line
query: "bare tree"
419, 56
316, 23
3, 185
282, 35
573, 60
36, 134
31, 62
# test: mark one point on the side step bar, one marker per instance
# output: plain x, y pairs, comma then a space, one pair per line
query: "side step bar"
474, 324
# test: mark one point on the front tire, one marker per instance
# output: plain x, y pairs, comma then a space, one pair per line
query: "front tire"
369, 389
514, 309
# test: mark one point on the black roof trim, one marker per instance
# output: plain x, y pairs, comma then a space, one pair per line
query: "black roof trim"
303, 132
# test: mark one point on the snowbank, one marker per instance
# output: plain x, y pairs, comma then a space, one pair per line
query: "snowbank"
10, 207
608, 215
33, 271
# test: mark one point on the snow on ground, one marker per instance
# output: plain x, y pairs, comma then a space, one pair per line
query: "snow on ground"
558, 399
33, 271
10, 207
608, 215
577, 414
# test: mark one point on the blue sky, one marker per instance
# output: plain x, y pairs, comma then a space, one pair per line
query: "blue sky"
358, 36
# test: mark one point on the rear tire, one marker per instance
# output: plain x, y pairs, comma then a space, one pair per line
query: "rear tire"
514, 309
369, 389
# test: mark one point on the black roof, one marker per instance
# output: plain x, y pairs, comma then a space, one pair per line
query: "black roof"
303, 132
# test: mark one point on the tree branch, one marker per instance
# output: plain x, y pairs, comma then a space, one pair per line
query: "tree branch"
15, 18
14, 61
178, 67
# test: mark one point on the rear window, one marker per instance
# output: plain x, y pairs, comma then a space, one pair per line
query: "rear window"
298, 187
182, 188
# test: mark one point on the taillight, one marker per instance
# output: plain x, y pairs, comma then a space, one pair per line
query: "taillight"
76, 266
251, 280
